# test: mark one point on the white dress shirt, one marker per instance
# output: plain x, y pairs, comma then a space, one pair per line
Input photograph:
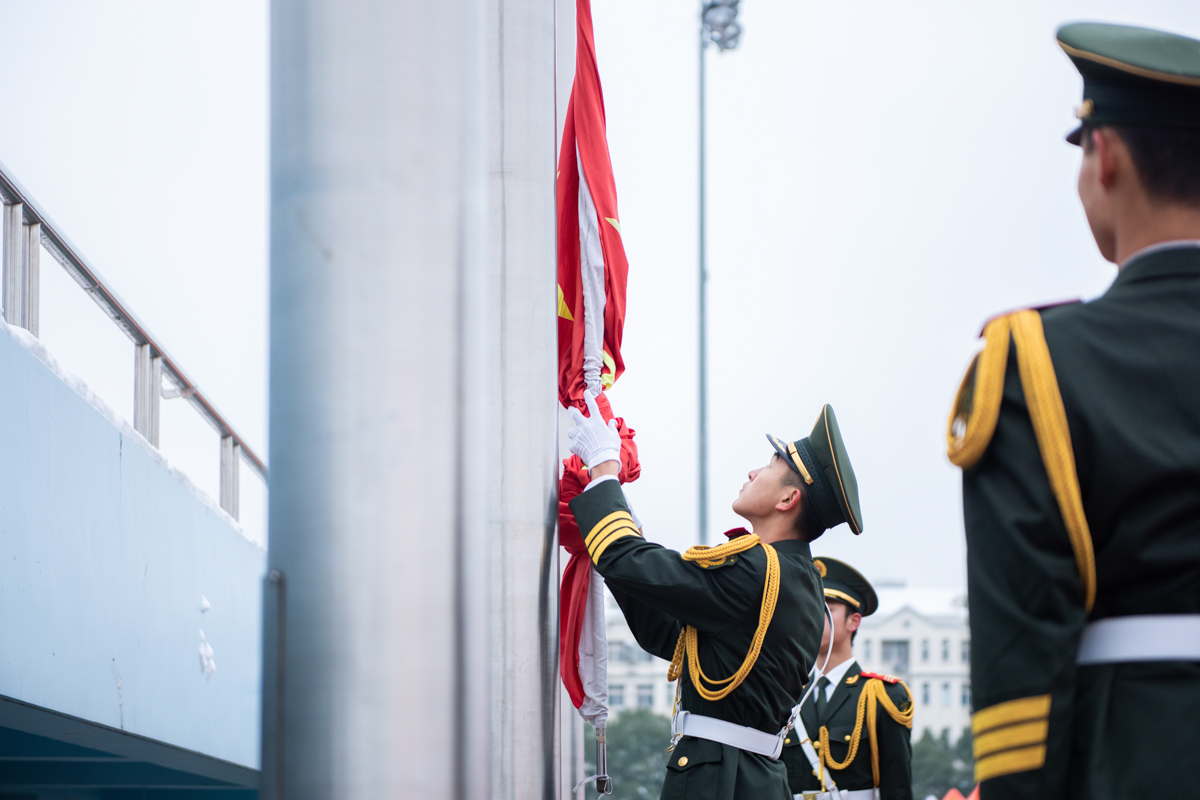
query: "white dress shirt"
835, 676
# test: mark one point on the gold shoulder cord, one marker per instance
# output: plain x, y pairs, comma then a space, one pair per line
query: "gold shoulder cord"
874, 694
977, 409
689, 637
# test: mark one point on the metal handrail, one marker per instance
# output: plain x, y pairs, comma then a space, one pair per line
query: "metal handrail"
93, 283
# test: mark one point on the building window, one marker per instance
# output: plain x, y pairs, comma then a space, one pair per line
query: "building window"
966, 695
616, 696
945, 649
946, 693
645, 695
670, 695
895, 656
966, 651
924, 649
866, 649
925, 693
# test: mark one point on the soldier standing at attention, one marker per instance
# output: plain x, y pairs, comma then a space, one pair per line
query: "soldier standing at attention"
740, 622
857, 725
1078, 431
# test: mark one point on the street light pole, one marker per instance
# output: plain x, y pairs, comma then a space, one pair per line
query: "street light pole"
702, 438
718, 24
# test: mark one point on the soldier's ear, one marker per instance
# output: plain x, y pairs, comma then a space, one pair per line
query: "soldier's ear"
791, 499
853, 621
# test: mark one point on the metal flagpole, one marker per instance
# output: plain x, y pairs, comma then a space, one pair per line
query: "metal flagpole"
523, 407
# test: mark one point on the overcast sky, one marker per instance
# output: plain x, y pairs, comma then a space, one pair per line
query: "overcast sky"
883, 177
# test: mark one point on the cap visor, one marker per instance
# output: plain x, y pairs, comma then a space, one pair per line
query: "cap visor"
781, 450
1076, 136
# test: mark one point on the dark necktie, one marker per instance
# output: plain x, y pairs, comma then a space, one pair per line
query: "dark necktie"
821, 686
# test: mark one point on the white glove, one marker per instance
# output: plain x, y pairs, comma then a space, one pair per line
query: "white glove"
591, 439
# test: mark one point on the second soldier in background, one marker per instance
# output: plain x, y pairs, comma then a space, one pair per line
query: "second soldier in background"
855, 727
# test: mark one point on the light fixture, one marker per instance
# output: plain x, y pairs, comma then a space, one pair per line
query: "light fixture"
720, 23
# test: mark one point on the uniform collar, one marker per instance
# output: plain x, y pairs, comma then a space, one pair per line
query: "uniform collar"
793, 547
1160, 260
1174, 244
836, 674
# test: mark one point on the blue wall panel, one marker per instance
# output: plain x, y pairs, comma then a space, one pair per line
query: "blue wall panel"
104, 558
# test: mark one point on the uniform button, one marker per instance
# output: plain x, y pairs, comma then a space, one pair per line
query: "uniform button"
847, 737
787, 741
683, 761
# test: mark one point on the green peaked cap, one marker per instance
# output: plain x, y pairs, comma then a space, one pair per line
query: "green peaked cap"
822, 461
1134, 76
845, 584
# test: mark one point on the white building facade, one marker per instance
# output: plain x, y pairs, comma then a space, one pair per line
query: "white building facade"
636, 679
922, 637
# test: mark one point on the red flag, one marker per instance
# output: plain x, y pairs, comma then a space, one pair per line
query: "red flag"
592, 273
590, 252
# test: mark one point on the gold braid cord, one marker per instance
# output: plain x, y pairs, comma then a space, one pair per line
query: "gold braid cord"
689, 637
874, 694
977, 408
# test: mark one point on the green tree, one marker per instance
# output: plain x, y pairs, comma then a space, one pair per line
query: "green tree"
939, 766
637, 754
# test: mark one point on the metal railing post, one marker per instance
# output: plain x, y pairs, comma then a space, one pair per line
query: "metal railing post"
13, 299
32, 274
147, 389
231, 455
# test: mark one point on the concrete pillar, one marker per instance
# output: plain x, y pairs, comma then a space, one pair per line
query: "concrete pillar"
377, 663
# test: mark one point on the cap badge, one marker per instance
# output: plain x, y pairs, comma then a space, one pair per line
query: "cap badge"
820, 565
1085, 109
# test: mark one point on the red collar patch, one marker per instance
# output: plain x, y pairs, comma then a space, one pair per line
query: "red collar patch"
734, 533
880, 676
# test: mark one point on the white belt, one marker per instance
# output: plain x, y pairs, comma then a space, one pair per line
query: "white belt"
837, 794
1144, 637
751, 740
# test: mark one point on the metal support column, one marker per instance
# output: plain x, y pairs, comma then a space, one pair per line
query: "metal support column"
523, 412
13, 244
231, 457
31, 272
380, 465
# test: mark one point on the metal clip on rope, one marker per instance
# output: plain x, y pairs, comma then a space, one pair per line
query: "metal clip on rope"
604, 784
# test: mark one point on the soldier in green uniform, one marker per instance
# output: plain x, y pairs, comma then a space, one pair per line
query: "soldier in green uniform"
857, 725
1078, 431
740, 622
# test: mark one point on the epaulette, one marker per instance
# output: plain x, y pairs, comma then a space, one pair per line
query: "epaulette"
1039, 309
881, 676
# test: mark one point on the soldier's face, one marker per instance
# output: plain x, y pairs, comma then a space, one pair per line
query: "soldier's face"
844, 623
763, 490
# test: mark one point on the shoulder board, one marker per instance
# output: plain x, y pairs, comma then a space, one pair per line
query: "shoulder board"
880, 676
1039, 309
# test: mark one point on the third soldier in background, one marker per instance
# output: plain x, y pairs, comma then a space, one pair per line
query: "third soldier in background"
1078, 431
855, 728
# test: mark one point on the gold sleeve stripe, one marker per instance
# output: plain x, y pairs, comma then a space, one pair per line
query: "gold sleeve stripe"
836, 595
1010, 761
1007, 738
612, 532
619, 533
604, 523
1023, 709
